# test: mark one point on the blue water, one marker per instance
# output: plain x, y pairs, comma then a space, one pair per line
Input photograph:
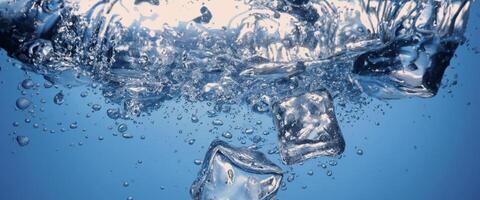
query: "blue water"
413, 148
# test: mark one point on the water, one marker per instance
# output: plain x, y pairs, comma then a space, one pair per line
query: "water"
259, 50
122, 81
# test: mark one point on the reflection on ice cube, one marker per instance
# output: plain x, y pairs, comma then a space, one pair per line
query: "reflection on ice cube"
307, 127
231, 173
405, 68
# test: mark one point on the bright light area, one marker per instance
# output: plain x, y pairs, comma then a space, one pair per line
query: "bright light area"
169, 13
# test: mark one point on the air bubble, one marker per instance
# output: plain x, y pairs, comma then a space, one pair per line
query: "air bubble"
126, 184
23, 103
96, 107
359, 152
197, 162
122, 128
194, 119
74, 125
329, 173
59, 98
127, 135
217, 122
27, 84
227, 135
191, 141
23, 140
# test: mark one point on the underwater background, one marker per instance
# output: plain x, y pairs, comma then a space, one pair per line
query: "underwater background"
401, 149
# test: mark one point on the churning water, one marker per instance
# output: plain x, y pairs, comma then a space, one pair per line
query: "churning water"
310, 66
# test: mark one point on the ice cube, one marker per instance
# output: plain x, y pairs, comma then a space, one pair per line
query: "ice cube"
407, 67
230, 173
412, 62
307, 127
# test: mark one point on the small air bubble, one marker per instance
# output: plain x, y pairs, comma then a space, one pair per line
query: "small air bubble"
23, 103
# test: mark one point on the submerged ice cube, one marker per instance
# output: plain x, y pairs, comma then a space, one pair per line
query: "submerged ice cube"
413, 63
404, 68
230, 173
307, 127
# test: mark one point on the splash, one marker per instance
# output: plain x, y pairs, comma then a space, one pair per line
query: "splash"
142, 53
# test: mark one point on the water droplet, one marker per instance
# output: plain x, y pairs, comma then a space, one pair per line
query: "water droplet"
23, 103
127, 135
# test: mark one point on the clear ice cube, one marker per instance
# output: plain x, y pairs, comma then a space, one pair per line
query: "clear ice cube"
413, 62
307, 127
230, 173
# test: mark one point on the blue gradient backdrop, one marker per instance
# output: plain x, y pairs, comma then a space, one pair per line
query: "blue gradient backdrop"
419, 149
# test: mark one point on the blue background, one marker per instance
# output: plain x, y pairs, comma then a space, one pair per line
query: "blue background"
413, 149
